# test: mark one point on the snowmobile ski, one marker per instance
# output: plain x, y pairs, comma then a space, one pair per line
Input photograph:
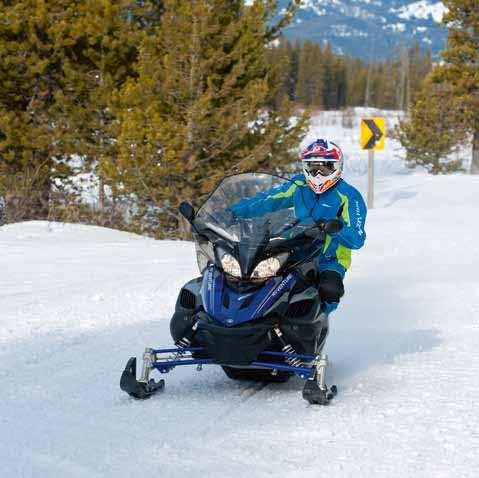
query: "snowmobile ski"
315, 390
316, 395
138, 389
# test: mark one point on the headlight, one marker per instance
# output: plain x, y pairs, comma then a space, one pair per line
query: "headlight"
266, 268
231, 266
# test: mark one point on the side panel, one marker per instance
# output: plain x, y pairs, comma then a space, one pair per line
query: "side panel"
189, 301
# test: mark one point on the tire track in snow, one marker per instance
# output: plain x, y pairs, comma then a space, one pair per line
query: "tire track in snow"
245, 395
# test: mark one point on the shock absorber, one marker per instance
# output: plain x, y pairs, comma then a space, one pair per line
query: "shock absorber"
287, 348
184, 342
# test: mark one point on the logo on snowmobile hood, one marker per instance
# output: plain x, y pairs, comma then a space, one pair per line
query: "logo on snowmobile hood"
230, 307
273, 296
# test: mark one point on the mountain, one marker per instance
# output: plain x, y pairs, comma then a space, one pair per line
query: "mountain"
369, 28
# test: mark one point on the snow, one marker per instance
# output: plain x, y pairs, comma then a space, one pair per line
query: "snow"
314, 7
423, 9
345, 31
396, 27
77, 301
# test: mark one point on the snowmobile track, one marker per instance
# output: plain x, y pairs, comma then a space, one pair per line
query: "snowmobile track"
221, 420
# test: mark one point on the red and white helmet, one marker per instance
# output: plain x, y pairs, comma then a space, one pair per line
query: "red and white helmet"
322, 165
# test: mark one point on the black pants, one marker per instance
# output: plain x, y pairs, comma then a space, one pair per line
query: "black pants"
330, 285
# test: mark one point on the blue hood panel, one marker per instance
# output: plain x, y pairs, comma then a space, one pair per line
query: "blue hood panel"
231, 307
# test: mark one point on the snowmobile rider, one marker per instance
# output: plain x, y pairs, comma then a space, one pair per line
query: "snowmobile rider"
322, 194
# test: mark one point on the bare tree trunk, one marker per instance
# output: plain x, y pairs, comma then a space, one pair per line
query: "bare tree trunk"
367, 93
193, 81
113, 219
475, 153
407, 81
3, 213
101, 196
403, 87
101, 179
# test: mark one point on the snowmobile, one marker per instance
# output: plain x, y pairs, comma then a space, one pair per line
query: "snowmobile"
255, 311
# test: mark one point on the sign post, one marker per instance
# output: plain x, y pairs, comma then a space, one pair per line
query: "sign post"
373, 135
370, 179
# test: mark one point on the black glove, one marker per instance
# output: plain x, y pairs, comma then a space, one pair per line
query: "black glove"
330, 285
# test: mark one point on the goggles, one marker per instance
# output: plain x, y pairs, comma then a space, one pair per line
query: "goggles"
321, 168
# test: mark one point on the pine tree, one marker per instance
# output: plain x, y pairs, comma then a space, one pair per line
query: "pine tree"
310, 85
279, 58
58, 68
198, 109
329, 86
98, 42
432, 130
357, 79
30, 77
420, 65
340, 83
294, 52
461, 67
446, 109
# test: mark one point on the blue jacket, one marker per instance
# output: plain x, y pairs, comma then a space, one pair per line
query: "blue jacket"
342, 201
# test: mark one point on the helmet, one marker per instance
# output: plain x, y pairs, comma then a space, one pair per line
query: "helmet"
322, 165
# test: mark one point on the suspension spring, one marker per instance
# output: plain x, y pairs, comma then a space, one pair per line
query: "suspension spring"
293, 361
184, 343
288, 349
181, 344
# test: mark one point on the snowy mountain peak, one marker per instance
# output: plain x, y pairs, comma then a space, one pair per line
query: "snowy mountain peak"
421, 10
369, 28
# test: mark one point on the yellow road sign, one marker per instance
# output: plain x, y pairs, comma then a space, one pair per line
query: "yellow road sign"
373, 133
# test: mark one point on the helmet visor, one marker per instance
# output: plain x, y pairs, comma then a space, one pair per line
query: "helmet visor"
321, 168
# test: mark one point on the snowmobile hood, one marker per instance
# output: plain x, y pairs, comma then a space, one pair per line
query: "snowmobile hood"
233, 307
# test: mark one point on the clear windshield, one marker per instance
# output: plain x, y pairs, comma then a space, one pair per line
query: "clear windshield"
253, 207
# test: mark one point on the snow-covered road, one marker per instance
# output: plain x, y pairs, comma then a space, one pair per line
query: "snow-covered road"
77, 301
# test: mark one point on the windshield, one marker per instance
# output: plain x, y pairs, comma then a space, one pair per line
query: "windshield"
253, 207
254, 216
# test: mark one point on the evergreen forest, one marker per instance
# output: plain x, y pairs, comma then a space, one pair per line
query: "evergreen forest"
313, 76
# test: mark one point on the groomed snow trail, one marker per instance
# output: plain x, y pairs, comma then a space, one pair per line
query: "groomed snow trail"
76, 302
